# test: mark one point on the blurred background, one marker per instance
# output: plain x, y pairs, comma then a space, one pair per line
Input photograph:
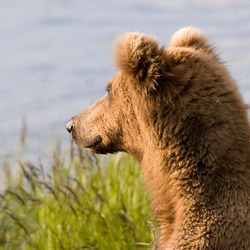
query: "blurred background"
56, 57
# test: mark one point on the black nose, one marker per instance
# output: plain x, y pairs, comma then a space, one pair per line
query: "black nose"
69, 126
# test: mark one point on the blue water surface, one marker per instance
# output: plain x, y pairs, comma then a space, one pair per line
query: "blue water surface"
56, 56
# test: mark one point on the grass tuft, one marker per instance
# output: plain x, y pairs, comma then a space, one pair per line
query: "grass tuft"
82, 202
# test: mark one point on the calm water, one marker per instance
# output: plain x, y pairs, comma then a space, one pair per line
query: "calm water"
56, 56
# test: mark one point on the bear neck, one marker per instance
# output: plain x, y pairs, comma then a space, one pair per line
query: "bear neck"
186, 190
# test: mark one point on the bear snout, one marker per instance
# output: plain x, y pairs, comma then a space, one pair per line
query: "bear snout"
69, 125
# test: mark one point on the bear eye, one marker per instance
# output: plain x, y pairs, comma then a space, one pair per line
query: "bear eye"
108, 89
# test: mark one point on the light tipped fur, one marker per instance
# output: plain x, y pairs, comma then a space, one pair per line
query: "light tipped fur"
139, 56
191, 137
192, 38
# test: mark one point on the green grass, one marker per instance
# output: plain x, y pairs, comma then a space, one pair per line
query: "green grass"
82, 202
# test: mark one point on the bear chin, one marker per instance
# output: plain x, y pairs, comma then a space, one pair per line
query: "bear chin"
93, 143
97, 146
104, 149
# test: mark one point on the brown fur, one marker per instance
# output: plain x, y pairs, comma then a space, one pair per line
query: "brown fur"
178, 112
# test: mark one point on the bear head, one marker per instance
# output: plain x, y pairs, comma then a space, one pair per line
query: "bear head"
160, 97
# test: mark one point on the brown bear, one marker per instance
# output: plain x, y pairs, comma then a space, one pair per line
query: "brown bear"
178, 112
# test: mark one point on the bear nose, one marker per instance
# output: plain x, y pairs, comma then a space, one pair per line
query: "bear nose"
69, 125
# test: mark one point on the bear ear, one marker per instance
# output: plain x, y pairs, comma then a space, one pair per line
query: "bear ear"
193, 38
139, 56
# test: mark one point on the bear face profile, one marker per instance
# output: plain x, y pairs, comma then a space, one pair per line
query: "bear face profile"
178, 112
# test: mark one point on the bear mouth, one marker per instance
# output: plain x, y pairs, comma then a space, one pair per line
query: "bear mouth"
94, 142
